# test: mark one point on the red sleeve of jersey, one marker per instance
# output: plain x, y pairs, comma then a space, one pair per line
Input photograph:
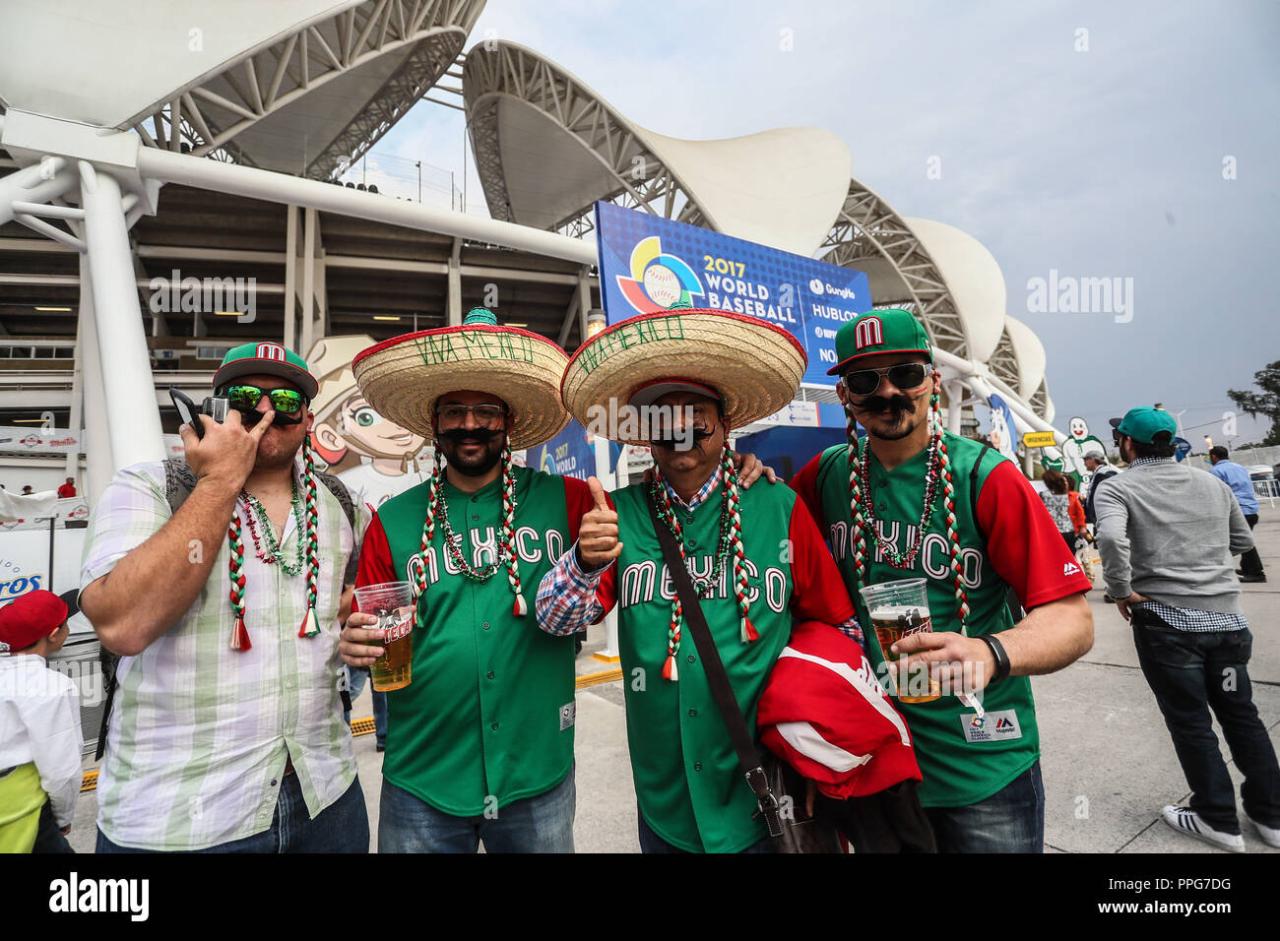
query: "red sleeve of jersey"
376, 565
805, 484
577, 501
818, 592
1022, 541
606, 591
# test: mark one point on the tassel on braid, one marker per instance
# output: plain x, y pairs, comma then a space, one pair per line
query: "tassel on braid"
507, 546
310, 626
748, 631
949, 503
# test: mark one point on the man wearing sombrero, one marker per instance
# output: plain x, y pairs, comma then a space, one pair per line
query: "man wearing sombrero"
219, 581
480, 744
910, 500
756, 557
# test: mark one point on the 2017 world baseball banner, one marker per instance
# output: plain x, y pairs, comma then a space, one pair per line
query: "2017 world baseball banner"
648, 263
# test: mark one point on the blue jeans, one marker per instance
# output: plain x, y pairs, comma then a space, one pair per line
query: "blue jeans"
1190, 674
541, 824
1009, 821
355, 683
342, 827
651, 843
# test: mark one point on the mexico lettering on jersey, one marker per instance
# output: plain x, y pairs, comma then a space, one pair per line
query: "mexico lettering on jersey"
484, 717
687, 781
1007, 541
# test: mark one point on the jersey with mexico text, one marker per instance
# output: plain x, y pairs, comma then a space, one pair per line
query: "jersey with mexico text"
1007, 539
688, 783
488, 717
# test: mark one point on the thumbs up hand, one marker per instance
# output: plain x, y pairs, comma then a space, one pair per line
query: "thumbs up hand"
598, 535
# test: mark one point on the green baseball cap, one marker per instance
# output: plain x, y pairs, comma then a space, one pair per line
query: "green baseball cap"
1143, 423
893, 330
263, 357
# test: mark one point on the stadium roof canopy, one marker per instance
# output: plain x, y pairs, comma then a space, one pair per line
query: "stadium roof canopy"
299, 86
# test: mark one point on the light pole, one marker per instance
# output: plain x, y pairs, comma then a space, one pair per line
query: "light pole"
418, 164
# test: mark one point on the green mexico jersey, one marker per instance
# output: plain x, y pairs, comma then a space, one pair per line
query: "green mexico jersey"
964, 760
688, 783
488, 718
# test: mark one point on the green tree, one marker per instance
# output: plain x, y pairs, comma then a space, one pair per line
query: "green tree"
1266, 402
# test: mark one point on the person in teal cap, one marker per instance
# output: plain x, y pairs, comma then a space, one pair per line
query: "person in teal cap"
219, 581
910, 500
1167, 533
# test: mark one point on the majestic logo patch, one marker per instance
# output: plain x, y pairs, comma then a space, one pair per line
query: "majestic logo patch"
997, 727
1070, 568
868, 333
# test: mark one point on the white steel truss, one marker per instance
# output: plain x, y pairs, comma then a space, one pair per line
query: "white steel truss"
208, 115
497, 70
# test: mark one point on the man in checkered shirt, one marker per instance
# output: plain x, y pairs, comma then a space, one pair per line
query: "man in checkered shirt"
1167, 533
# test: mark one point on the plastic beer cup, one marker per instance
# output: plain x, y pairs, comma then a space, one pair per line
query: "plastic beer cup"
392, 604
897, 609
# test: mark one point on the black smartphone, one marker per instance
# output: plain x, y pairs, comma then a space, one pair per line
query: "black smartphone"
187, 410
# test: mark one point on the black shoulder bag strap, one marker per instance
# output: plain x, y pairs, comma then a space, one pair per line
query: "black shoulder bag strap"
718, 679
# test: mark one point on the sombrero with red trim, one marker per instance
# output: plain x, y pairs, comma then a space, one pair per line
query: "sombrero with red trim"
402, 377
753, 367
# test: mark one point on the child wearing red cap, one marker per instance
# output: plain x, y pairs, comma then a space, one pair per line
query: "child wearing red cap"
40, 737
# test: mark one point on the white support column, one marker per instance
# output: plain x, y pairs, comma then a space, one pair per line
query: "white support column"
291, 278
99, 465
609, 653
584, 301
955, 396
454, 312
75, 421
132, 416
308, 279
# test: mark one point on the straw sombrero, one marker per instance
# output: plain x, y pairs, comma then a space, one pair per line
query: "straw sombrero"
754, 367
402, 377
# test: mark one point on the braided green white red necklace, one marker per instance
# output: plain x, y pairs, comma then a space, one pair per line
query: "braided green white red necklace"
438, 515
730, 513
861, 507
310, 626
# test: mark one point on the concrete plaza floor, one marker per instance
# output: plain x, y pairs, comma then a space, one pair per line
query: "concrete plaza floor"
1108, 762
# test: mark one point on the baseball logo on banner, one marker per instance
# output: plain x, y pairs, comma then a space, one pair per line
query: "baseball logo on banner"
647, 264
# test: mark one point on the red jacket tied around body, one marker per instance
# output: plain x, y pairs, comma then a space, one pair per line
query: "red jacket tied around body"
825, 715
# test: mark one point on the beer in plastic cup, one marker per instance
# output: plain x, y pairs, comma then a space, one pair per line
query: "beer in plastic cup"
392, 603
897, 609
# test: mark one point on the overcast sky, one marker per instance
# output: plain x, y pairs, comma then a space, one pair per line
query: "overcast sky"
1136, 140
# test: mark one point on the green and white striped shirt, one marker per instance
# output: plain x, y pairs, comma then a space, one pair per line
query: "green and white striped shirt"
200, 734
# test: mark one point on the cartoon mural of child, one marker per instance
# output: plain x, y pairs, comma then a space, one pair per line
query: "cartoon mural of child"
375, 458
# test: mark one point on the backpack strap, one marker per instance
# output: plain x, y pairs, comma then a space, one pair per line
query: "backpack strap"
973, 482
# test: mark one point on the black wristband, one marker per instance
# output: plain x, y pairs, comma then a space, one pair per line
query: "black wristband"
1002, 658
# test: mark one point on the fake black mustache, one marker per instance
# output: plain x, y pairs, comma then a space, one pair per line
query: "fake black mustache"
687, 441
878, 403
467, 435
251, 418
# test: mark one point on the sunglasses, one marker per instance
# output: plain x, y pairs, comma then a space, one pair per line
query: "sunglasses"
903, 375
284, 401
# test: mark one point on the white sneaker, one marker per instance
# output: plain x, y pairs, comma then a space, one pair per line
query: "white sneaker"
1185, 820
1270, 835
